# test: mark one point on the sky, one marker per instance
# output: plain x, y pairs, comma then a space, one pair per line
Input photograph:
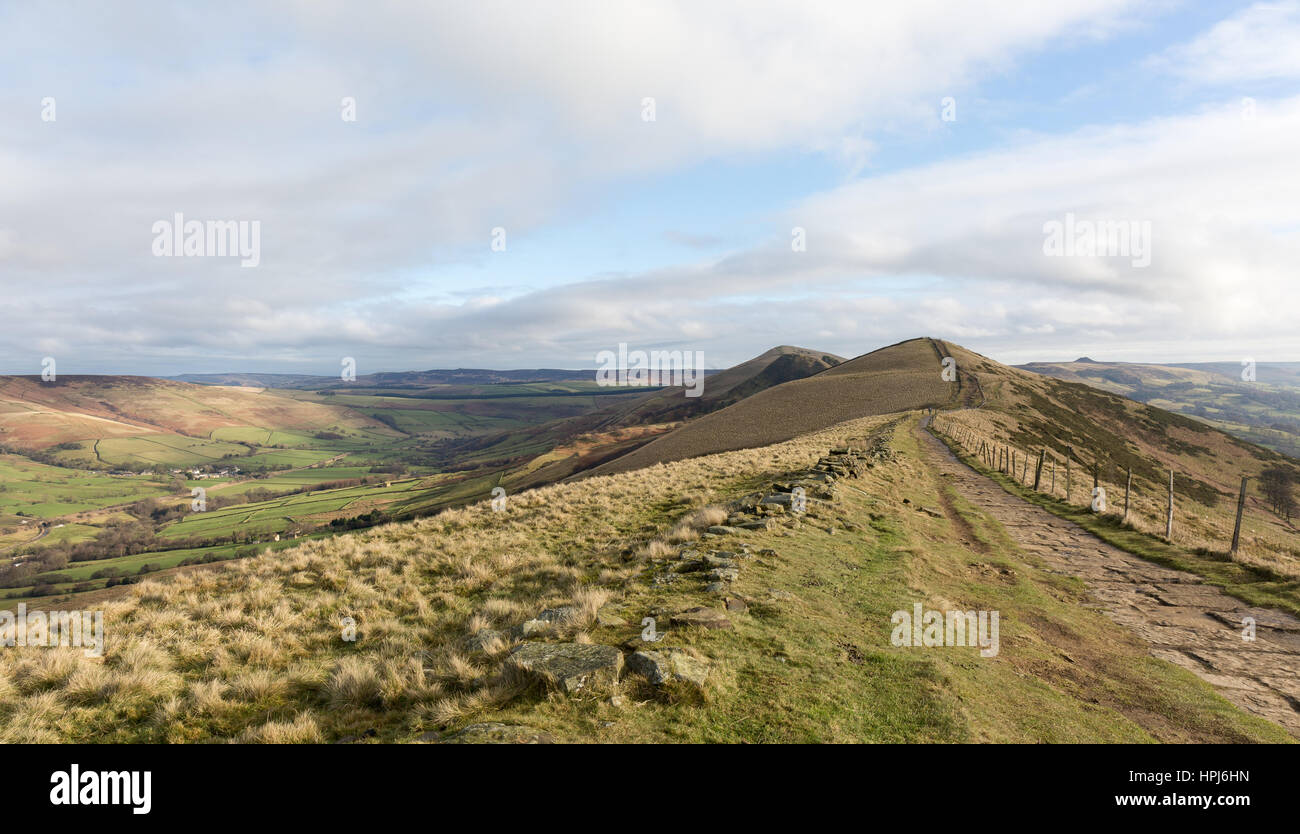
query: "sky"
520, 185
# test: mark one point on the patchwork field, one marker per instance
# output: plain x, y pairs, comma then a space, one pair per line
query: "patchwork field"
32, 492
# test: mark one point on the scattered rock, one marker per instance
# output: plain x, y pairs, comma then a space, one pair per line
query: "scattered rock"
929, 512
545, 622
702, 617
725, 574
736, 604
606, 617
669, 664
722, 530
531, 628
568, 667
563, 614
483, 640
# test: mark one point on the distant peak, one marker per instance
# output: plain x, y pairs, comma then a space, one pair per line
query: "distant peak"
1086, 360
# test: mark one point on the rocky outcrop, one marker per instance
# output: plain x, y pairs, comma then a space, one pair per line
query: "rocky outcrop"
701, 617
660, 667
567, 667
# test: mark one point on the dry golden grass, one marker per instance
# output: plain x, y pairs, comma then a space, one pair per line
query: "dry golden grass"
254, 650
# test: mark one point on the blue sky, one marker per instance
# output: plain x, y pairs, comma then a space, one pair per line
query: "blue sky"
375, 234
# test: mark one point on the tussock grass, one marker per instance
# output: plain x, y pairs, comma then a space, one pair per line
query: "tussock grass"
245, 650
255, 651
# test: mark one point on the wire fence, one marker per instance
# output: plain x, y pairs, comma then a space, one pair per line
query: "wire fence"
1084, 479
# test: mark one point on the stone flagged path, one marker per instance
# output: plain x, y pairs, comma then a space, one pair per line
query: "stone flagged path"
1184, 620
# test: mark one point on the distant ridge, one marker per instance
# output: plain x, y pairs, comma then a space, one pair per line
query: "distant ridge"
397, 379
900, 377
623, 426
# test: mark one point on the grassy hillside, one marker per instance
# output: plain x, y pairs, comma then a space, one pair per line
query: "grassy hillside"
145, 422
1265, 411
295, 462
255, 650
1028, 412
778, 365
551, 451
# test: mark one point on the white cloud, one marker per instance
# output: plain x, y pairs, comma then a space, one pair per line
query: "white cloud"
475, 115
1259, 43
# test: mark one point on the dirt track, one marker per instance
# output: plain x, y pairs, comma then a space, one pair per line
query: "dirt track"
1183, 619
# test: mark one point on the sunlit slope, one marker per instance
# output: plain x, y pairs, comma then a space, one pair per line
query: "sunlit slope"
1093, 428
37, 415
774, 367
1264, 409
559, 448
900, 377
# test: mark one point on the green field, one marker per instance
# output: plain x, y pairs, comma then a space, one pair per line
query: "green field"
49, 491
40, 492
383, 428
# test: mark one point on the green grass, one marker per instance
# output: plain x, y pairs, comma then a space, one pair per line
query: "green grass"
79, 573
287, 512
43, 491
821, 667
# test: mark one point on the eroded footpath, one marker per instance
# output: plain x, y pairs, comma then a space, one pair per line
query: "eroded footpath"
1184, 620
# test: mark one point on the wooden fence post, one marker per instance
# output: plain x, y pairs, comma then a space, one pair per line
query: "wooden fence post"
1128, 486
1236, 530
1038, 470
1053, 476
